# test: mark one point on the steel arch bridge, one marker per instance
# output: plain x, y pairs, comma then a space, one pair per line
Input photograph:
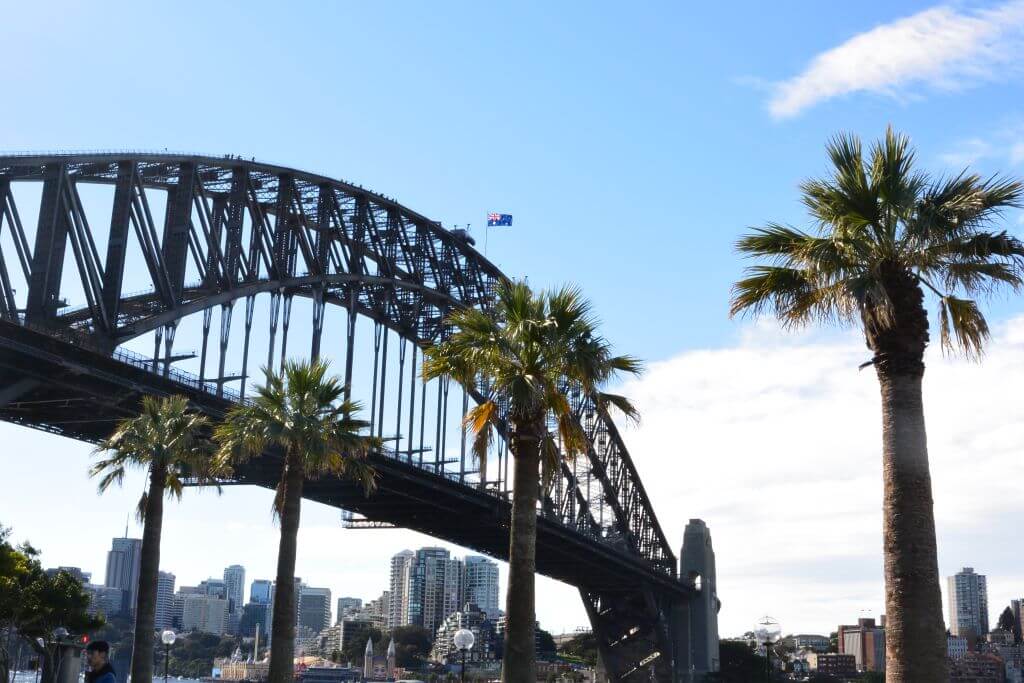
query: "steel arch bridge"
233, 231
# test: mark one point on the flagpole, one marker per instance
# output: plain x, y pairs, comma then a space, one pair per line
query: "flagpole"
487, 234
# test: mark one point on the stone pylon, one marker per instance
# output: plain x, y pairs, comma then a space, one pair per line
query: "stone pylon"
695, 623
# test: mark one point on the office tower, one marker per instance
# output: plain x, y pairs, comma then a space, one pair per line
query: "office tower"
480, 585
260, 591
314, 608
398, 607
164, 601
216, 588
254, 614
204, 613
347, 607
123, 561
968, 603
234, 579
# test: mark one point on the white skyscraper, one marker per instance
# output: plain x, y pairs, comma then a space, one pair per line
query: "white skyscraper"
234, 578
123, 562
398, 607
164, 601
480, 585
968, 603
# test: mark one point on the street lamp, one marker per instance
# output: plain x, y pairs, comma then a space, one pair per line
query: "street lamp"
168, 637
767, 632
464, 641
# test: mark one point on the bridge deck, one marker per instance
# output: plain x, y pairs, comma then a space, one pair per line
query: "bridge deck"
58, 386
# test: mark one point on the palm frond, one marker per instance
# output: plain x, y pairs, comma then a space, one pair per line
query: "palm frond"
140, 508
962, 327
621, 403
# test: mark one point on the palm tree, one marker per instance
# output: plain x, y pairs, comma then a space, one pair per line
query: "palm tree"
303, 413
525, 355
885, 235
167, 439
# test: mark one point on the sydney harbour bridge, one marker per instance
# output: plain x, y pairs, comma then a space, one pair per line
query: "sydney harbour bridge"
111, 262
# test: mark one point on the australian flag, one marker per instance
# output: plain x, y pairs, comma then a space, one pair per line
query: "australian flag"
494, 219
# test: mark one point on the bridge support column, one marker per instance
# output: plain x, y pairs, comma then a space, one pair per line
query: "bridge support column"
695, 623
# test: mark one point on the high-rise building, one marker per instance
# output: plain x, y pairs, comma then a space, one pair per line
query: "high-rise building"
480, 585
254, 614
273, 599
474, 619
1018, 618
260, 591
398, 607
123, 562
348, 607
434, 588
234, 578
866, 642
164, 601
217, 588
314, 608
204, 613
968, 603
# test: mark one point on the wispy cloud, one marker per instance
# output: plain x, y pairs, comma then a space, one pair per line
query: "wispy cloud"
940, 48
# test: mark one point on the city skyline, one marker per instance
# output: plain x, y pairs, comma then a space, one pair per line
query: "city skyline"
607, 155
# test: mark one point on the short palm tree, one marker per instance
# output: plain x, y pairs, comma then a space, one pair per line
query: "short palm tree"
301, 412
167, 439
885, 236
524, 355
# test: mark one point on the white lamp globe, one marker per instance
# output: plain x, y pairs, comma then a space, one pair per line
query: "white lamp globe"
168, 637
464, 639
767, 631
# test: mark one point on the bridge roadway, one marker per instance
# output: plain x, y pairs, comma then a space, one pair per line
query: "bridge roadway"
68, 389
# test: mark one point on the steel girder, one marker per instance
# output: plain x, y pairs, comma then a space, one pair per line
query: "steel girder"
248, 228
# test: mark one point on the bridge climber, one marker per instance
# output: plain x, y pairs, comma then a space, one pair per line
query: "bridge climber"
267, 245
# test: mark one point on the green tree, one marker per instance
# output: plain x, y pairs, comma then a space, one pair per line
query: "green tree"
354, 648
303, 413
34, 603
1006, 621
546, 647
166, 439
412, 645
886, 233
739, 664
525, 354
582, 647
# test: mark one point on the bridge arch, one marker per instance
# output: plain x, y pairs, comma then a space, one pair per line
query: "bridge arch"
243, 230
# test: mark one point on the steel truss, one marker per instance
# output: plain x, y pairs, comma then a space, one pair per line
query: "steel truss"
252, 232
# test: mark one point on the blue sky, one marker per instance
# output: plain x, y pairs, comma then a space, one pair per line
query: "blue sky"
632, 145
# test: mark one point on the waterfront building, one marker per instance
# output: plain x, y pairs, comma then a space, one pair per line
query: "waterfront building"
204, 613
480, 584
260, 591
968, 603
164, 601
314, 608
474, 619
866, 642
123, 563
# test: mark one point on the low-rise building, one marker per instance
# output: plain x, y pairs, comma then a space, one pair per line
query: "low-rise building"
204, 613
811, 642
977, 667
956, 646
866, 642
832, 663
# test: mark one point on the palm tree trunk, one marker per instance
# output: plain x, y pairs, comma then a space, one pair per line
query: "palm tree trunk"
282, 638
914, 633
519, 661
149, 568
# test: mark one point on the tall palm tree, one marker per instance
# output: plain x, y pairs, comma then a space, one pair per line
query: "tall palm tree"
525, 354
885, 235
167, 439
302, 412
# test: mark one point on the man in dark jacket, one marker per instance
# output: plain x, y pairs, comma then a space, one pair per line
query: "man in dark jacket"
97, 656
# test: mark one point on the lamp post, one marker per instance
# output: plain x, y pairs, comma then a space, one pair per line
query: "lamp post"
167, 637
767, 632
464, 639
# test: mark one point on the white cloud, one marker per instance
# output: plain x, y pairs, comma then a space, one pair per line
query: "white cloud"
939, 48
775, 443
